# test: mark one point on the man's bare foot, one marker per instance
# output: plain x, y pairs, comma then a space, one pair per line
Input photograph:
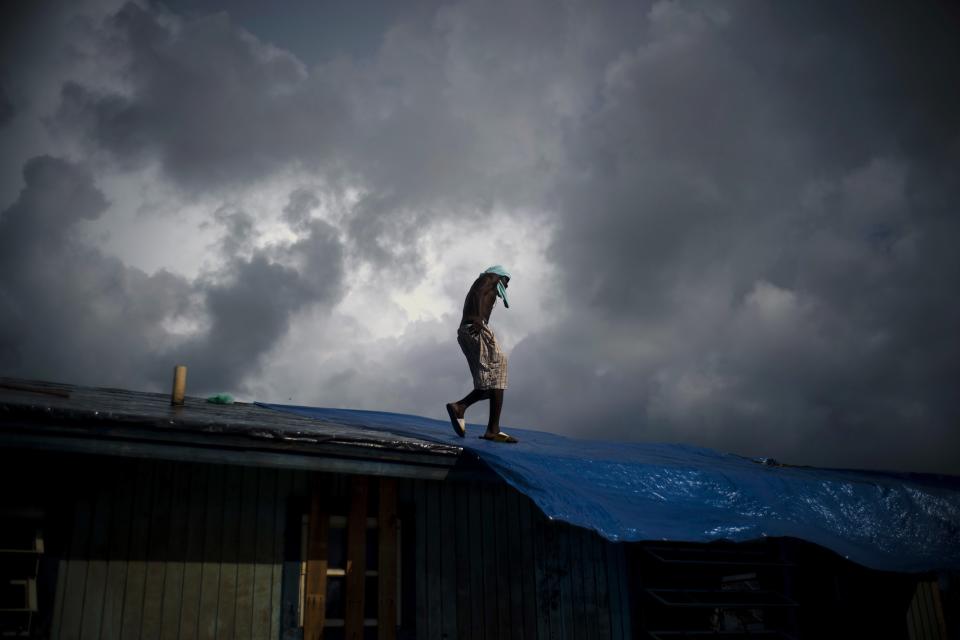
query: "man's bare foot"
456, 412
499, 436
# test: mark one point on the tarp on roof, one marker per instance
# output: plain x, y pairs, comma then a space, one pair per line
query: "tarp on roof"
642, 492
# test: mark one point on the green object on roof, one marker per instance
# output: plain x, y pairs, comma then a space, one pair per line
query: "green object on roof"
221, 398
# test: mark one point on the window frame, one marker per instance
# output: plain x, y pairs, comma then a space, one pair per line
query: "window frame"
336, 521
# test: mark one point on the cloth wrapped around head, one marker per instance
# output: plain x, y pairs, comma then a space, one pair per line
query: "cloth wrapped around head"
501, 290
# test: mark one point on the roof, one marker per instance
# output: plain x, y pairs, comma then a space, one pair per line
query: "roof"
643, 491
64, 417
623, 491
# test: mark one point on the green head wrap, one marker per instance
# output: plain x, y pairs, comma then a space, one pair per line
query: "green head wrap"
501, 290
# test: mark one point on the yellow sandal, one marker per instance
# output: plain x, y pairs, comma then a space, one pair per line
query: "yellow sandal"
459, 424
499, 437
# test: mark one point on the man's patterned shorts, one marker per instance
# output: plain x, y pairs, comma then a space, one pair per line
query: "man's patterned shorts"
488, 364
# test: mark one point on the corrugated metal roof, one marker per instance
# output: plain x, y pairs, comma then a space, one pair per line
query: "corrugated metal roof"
43, 414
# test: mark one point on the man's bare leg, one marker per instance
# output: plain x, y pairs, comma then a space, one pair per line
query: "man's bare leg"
496, 405
473, 397
456, 410
493, 425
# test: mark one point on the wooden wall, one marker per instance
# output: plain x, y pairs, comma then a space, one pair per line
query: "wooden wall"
180, 550
172, 550
497, 568
925, 619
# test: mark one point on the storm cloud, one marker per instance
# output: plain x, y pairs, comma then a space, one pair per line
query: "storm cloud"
767, 240
70, 310
732, 225
67, 310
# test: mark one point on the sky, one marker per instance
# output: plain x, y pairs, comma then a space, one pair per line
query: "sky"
732, 225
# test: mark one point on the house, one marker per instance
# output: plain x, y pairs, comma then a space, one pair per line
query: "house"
125, 516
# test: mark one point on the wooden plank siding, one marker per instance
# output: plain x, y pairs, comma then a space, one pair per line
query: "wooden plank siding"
448, 567
193, 550
190, 592
492, 603
122, 503
230, 560
247, 545
460, 541
925, 620
173, 550
132, 620
493, 566
212, 550
387, 561
97, 566
315, 603
74, 571
183, 487
356, 559
478, 605
157, 560
421, 530
264, 560
285, 487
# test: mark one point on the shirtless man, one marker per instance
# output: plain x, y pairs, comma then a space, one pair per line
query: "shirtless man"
487, 362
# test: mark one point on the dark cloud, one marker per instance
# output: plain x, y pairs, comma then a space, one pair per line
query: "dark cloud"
218, 108
207, 99
249, 301
423, 363
301, 204
251, 309
762, 194
7, 110
68, 311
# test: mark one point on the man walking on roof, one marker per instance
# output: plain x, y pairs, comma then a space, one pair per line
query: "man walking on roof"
487, 362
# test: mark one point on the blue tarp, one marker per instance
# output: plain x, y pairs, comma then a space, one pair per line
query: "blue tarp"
638, 491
